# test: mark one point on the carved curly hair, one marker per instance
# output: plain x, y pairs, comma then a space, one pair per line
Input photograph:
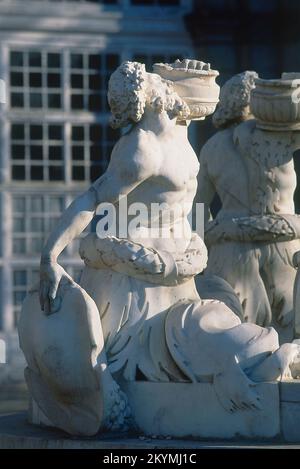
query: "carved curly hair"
127, 94
234, 100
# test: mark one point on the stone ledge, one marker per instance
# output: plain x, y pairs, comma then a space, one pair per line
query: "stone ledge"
283, 419
290, 391
16, 433
185, 410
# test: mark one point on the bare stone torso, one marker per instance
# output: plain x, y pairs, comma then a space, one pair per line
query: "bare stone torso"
249, 181
174, 184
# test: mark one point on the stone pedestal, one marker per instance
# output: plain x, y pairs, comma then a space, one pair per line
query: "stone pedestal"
16, 433
184, 410
192, 409
290, 411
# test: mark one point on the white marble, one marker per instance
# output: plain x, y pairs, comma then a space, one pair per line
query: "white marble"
290, 410
198, 90
256, 232
160, 416
16, 433
275, 103
136, 314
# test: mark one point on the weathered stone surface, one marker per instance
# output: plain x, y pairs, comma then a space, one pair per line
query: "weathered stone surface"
135, 312
290, 391
255, 234
16, 433
290, 410
290, 421
193, 410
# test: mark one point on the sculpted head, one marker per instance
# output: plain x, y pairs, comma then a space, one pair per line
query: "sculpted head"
131, 90
234, 101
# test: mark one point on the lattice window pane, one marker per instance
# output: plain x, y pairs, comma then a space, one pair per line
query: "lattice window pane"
91, 146
35, 80
37, 152
34, 216
89, 74
22, 279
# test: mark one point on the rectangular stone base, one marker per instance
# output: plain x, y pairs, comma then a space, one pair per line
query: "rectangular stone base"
184, 410
290, 411
16, 433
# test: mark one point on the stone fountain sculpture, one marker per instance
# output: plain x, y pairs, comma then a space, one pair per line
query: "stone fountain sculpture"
249, 164
123, 347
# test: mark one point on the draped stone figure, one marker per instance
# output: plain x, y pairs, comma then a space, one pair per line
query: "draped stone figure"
135, 314
255, 234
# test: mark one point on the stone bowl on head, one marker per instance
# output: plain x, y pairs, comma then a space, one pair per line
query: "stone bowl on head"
194, 82
276, 103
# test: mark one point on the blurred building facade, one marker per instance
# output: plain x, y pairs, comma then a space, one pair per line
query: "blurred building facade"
56, 57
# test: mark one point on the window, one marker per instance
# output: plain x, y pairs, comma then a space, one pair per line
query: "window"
37, 152
91, 146
40, 151
34, 216
89, 74
35, 80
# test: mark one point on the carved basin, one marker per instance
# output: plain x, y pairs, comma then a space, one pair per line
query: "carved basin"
275, 103
195, 83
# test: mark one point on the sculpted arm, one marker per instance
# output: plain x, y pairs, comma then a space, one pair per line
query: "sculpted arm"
81, 211
130, 165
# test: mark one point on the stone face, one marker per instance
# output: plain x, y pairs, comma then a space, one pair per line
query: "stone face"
193, 410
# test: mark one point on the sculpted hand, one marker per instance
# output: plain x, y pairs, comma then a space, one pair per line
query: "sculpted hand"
51, 274
194, 259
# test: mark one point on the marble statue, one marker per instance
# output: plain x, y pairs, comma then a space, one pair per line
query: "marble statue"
135, 315
255, 234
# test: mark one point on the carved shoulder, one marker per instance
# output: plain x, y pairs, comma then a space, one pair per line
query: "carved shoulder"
137, 153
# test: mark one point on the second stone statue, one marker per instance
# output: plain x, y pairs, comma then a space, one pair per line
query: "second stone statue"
136, 317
